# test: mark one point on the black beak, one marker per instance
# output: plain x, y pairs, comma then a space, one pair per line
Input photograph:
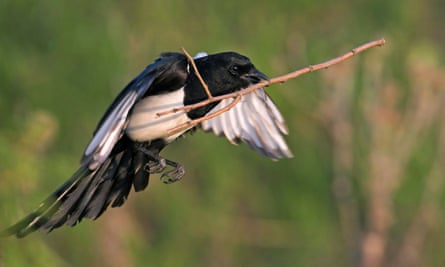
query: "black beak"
255, 76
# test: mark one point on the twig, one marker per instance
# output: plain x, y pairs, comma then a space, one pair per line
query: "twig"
279, 79
207, 117
201, 80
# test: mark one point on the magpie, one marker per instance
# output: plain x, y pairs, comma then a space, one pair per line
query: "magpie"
126, 145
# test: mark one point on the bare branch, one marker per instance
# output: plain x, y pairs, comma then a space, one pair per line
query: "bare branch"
279, 79
207, 117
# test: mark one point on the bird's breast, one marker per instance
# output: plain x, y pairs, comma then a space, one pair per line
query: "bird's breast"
145, 124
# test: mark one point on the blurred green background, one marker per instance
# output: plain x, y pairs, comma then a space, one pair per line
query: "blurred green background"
366, 185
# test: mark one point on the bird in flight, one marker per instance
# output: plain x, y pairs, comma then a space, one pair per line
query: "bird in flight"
126, 145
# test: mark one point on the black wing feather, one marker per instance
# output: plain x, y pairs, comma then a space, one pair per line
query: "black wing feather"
168, 72
110, 165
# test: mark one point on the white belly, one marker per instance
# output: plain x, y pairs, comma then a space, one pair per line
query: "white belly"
144, 123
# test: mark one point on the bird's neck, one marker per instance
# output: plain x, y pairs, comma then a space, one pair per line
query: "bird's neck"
194, 93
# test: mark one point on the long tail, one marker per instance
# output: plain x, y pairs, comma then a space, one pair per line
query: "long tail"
87, 194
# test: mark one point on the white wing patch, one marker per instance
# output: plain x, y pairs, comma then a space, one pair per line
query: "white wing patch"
256, 121
200, 55
109, 132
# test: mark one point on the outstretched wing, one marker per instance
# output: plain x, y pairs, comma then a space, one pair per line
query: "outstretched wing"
109, 169
110, 127
256, 121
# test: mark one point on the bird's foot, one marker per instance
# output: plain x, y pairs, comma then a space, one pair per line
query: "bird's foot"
156, 166
173, 175
156, 163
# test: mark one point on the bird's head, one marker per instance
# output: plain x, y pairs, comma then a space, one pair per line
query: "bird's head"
228, 72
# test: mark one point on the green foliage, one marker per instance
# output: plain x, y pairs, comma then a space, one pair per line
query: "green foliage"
367, 134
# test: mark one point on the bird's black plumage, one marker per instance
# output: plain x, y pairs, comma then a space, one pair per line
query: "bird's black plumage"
126, 144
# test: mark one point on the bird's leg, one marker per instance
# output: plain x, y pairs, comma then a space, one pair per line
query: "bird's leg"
158, 164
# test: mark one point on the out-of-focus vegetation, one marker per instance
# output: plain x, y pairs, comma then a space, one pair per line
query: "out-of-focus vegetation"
366, 186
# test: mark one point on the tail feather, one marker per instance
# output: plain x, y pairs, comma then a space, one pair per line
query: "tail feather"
100, 201
85, 203
69, 205
39, 217
87, 194
99, 196
121, 188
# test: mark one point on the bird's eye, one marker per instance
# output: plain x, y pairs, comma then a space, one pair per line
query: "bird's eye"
235, 69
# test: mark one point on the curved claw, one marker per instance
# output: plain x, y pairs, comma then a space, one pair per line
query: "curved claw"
173, 175
156, 166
